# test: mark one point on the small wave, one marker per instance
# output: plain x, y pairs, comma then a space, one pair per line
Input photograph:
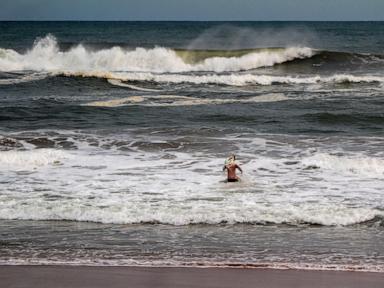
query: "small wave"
116, 102
133, 87
174, 100
203, 263
125, 213
24, 78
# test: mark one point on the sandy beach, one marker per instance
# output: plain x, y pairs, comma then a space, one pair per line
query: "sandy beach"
140, 277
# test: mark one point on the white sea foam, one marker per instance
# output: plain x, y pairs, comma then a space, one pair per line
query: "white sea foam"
30, 159
369, 166
127, 213
46, 56
202, 263
175, 100
143, 64
174, 187
233, 79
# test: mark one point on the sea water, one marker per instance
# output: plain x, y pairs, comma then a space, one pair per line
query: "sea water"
113, 136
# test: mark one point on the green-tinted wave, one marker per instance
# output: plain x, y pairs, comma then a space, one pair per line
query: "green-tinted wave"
192, 56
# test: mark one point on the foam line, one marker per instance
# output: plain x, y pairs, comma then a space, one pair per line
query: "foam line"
174, 100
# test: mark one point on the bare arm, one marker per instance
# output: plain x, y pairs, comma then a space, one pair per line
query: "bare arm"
238, 167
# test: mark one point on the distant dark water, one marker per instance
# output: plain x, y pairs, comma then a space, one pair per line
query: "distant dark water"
128, 124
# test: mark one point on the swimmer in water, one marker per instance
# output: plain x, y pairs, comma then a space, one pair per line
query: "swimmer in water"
231, 166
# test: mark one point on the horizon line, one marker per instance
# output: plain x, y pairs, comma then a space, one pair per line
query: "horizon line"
87, 20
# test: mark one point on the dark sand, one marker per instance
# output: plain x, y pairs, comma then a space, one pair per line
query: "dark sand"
72, 276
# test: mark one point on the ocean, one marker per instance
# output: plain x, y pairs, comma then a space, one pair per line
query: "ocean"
113, 136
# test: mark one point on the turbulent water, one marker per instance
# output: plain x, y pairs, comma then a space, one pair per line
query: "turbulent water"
113, 136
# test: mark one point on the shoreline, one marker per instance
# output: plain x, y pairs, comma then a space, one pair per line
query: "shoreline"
141, 277
204, 265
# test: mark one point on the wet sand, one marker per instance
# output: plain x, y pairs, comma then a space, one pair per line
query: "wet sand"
140, 277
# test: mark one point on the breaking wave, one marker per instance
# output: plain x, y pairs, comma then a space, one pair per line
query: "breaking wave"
125, 213
166, 65
45, 55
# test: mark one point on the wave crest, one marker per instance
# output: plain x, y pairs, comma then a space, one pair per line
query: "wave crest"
121, 213
45, 55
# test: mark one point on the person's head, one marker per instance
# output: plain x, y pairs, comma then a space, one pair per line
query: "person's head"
230, 160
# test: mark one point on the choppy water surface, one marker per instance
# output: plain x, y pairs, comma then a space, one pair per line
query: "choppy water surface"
117, 133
